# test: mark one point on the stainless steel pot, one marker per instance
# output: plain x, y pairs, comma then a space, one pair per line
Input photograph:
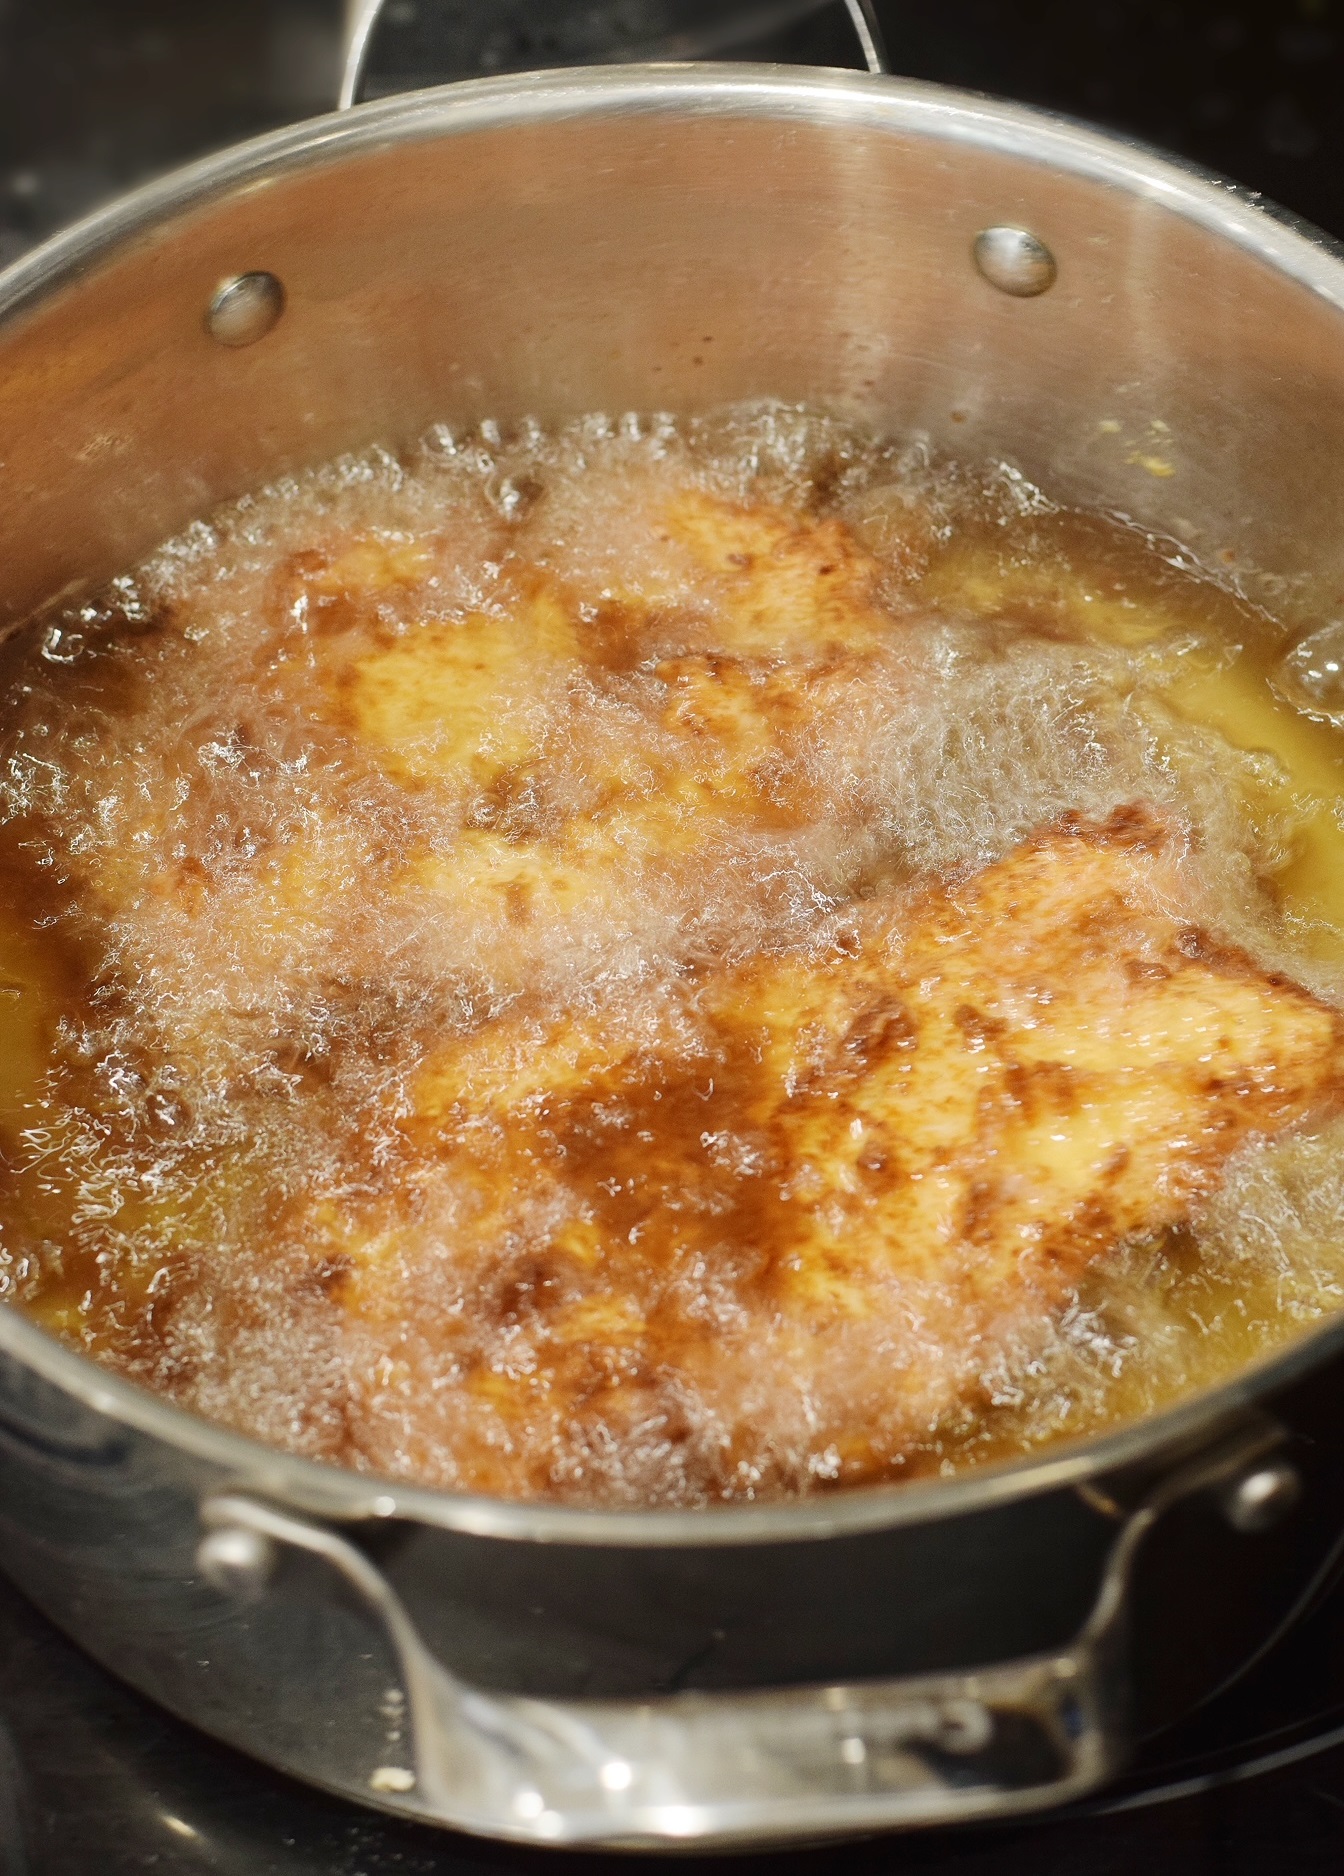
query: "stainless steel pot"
676, 238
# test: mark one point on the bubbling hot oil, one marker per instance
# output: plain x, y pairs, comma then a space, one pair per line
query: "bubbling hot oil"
261, 857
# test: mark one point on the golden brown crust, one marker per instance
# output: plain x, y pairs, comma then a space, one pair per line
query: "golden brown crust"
651, 1169
857, 1169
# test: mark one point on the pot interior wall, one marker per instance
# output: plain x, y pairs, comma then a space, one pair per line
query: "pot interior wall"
661, 249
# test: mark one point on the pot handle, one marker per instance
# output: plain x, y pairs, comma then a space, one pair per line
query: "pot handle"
365, 15
725, 1767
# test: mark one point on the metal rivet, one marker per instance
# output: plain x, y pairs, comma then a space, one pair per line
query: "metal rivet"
1015, 261
236, 1561
245, 309
1258, 1501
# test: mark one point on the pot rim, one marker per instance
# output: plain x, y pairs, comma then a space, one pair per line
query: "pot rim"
899, 106
1284, 241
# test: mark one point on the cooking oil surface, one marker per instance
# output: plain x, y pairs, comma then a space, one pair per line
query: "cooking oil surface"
488, 938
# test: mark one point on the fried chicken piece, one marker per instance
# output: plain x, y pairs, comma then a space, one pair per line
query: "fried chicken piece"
457, 704
786, 584
724, 756
325, 589
747, 575
588, 822
712, 820
452, 704
777, 1222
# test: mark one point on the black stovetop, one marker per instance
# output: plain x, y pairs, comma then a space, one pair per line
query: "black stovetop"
94, 1781
97, 94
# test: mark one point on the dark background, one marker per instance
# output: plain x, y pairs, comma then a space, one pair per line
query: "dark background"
96, 95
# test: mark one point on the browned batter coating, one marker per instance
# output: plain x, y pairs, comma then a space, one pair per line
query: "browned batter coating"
795, 1202
523, 1057
744, 633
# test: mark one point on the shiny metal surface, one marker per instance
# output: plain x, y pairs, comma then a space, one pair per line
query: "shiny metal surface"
833, 270
237, 1560
570, 32
245, 309
868, 31
725, 1768
96, 1782
646, 239
1266, 1494
1016, 261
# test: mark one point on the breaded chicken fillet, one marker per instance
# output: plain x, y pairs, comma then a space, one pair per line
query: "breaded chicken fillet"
795, 1207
